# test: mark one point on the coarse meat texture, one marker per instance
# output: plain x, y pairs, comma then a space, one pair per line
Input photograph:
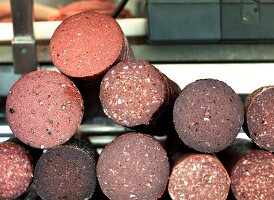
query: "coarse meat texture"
198, 176
259, 117
16, 170
133, 166
135, 93
252, 177
87, 44
44, 109
208, 115
65, 172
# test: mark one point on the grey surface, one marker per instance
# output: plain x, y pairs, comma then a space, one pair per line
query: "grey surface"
23, 43
178, 53
170, 21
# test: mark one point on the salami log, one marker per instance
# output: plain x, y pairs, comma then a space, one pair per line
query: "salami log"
251, 170
137, 95
44, 109
16, 170
86, 45
66, 172
133, 166
259, 117
198, 176
208, 115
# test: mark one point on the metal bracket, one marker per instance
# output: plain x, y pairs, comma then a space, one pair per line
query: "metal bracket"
23, 43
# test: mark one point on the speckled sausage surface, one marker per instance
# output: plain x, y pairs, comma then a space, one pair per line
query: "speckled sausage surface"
259, 117
208, 115
137, 95
66, 172
198, 176
133, 166
251, 170
16, 170
44, 109
87, 44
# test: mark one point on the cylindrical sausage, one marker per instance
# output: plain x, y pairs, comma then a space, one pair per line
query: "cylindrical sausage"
137, 95
44, 109
86, 45
133, 166
208, 115
251, 170
16, 170
198, 176
66, 172
259, 117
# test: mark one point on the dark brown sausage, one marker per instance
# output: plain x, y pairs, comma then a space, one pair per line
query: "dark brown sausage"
251, 170
66, 172
133, 166
208, 115
44, 109
137, 95
259, 117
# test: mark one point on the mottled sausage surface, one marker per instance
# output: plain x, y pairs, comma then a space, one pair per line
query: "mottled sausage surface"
135, 94
251, 170
87, 44
133, 166
259, 115
44, 109
198, 176
16, 170
66, 172
208, 115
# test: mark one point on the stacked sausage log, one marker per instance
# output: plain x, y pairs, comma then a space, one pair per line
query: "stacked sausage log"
202, 159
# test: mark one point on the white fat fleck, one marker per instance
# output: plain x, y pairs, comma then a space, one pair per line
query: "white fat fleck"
42, 146
105, 183
146, 155
132, 196
140, 66
63, 85
78, 34
149, 185
206, 119
125, 67
113, 171
185, 182
126, 185
119, 101
245, 162
41, 102
147, 80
